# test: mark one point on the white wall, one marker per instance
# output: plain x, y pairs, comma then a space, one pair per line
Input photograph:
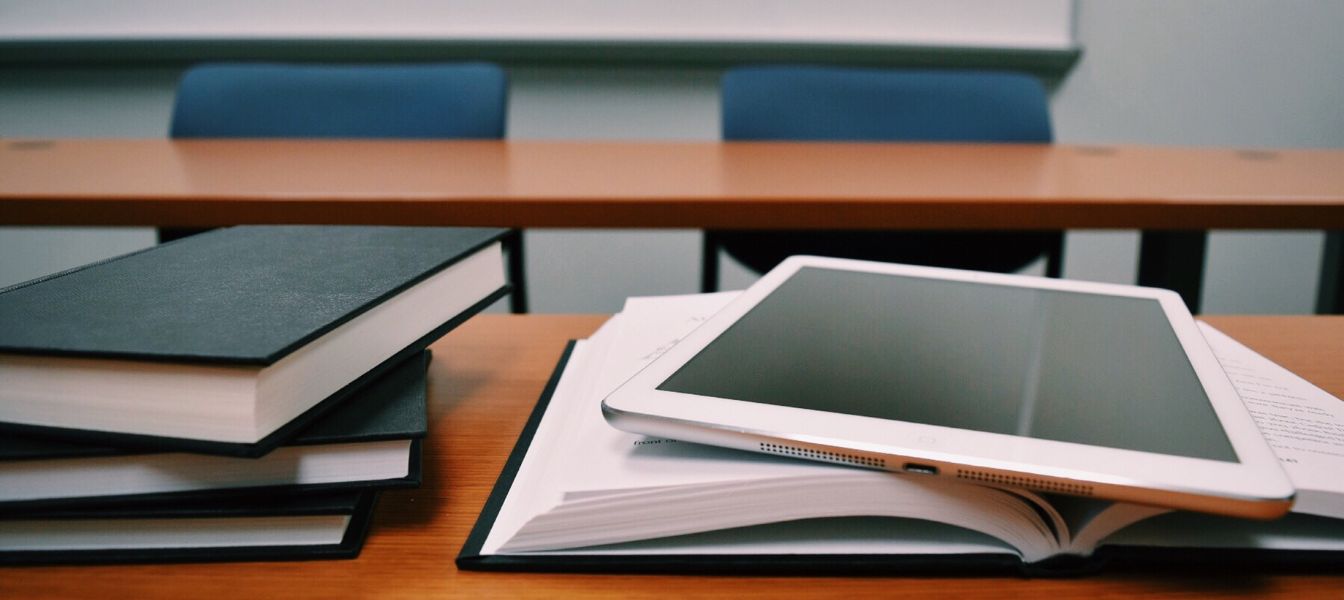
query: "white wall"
1247, 74
1023, 23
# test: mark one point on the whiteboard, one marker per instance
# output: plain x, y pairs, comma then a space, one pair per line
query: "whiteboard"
1024, 24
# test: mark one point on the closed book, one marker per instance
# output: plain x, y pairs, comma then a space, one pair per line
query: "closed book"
284, 527
371, 441
231, 341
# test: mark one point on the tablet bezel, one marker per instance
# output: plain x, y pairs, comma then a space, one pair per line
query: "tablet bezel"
1256, 486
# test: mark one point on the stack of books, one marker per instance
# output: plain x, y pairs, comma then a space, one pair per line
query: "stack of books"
240, 394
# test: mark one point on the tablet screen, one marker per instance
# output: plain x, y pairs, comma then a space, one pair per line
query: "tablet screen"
1049, 364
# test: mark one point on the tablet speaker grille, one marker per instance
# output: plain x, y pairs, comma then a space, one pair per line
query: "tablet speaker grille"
1043, 485
824, 455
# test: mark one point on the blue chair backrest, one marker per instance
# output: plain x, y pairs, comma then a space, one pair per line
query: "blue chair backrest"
853, 104
459, 100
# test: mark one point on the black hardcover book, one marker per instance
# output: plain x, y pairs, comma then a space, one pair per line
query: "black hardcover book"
371, 441
523, 504
232, 341
293, 527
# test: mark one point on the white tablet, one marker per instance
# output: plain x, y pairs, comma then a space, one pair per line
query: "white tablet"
1059, 386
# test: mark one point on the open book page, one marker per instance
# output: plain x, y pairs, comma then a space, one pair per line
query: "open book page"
1302, 423
585, 483
536, 486
687, 509
589, 488
1092, 520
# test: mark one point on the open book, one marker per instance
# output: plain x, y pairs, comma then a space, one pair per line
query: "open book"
587, 496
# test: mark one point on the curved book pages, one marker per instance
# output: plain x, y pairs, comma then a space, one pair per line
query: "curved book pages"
581, 495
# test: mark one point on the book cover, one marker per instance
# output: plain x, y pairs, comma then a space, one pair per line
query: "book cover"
239, 295
276, 527
357, 445
232, 341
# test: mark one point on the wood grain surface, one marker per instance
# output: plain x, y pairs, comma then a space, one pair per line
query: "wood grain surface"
485, 379
666, 184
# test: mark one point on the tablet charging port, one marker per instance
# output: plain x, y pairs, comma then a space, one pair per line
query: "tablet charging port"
920, 469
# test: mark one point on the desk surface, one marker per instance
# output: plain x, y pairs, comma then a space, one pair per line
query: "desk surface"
485, 378
666, 184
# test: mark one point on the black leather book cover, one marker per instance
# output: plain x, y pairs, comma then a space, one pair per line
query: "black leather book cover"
242, 295
358, 505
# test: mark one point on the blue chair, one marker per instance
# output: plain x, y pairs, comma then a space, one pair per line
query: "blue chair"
804, 103
423, 101
412, 101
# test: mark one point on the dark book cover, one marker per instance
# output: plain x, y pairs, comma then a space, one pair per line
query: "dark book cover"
390, 408
357, 505
243, 295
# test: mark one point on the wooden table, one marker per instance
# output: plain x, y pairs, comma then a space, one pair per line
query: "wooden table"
1174, 194
483, 382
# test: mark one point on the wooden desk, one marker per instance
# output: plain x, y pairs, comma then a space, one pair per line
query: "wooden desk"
485, 378
1173, 193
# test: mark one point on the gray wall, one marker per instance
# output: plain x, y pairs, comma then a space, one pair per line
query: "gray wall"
1245, 74
1242, 74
